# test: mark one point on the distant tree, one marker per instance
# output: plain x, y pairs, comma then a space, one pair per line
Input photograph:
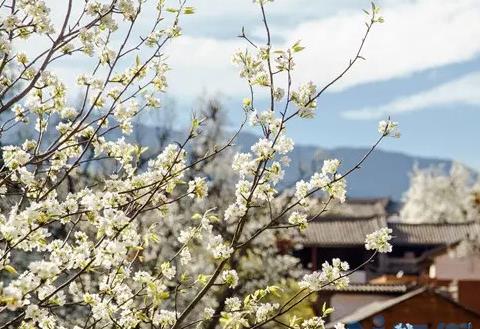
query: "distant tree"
435, 196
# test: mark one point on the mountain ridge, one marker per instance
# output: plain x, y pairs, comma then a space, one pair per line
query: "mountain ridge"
383, 174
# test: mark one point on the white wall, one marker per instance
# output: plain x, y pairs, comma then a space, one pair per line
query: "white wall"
345, 304
449, 268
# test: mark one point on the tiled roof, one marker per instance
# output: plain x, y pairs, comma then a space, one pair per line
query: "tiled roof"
337, 231
379, 306
432, 234
372, 288
341, 231
356, 207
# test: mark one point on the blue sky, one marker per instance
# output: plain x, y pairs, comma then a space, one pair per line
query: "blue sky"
422, 68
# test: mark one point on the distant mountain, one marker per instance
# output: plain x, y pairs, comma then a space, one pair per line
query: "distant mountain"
383, 174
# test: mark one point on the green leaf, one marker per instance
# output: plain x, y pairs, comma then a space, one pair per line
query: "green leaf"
213, 218
328, 311
10, 269
297, 47
275, 290
202, 278
154, 237
195, 124
189, 10
184, 277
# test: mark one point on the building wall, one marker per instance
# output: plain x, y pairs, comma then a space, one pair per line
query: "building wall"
427, 309
469, 294
344, 304
453, 268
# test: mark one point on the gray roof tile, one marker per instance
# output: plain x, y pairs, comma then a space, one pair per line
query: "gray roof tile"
338, 231
432, 234
341, 231
372, 288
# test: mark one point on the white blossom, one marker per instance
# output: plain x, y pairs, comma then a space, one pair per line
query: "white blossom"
235, 211
388, 128
243, 164
92, 219
12, 297
379, 240
313, 323
186, 235
14, 156
165, 319
301, 189
263, 149
219, 248
330, 274
208, 313
44, 270
185, 256
198, 188
319, 181
337, 189
304, 98
233, 304
264, 311
453, 194
298, 219
284, 145
230, 278
168, 270
330, 166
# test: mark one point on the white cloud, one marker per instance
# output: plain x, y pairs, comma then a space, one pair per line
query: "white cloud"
417, 35
465, 90
219, 18
203, 65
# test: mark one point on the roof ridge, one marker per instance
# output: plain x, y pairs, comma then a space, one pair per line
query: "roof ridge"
377, 306
348, 218
434, 224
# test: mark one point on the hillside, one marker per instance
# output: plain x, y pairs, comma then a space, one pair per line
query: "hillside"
384, 173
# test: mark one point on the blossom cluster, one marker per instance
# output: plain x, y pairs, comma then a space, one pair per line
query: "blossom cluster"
92, 225
330, 274
388, 128
454, 195
379, 240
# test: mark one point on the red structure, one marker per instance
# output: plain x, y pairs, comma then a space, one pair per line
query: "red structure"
424, 281
423, 308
